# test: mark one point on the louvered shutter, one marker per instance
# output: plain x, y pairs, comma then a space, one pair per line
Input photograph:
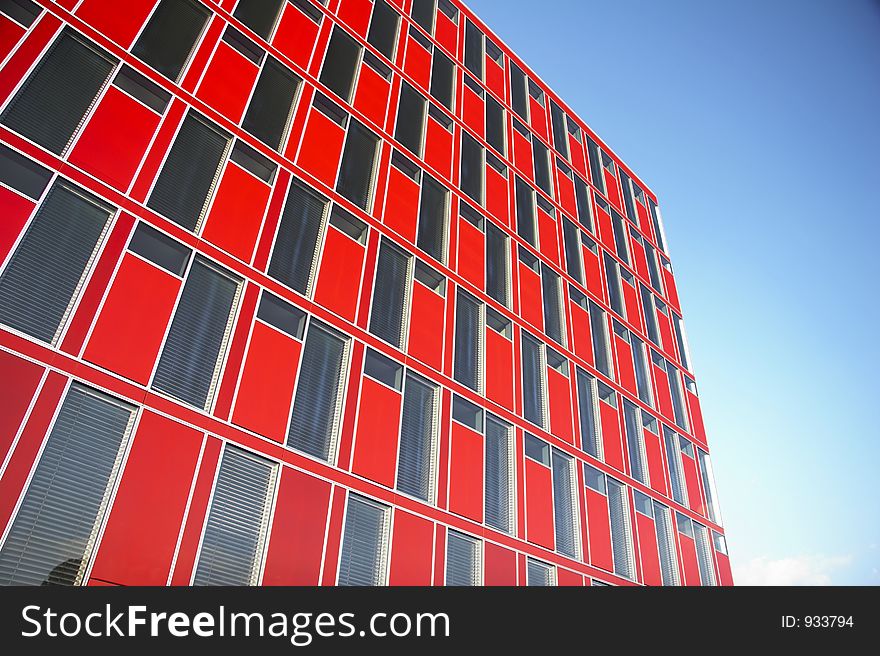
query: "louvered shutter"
676, 477
318, 401
47, 268
471, 167
410, 119
532, 376
51, 104
462, 560
431, 236
599, 330
271, 104
499, 488
621, 541
665, 545
496, 264
358, 165
525, 212
296, 245
170, 36
54, 532
467, 360
634, 442
572, 244
362, 561
199, 332
416, 459
704, 555
590, 440
190, 172
235, 533
564, 504
538, 574
390, 294
552, 309
259, 15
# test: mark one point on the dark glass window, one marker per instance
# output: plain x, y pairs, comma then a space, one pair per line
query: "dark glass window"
560, 133
259, 15
362, 557
390, 294
442, 79
410, 119
423, 12
499, 470
415, 471
22, 173
471, 167
518, 98
358, 165
495, 124
532, 380
431, 236
296, 244
170, 36
473, 49
383, 28
553, 324
525, 211
497, 253
340, 63
271, 105
467, 363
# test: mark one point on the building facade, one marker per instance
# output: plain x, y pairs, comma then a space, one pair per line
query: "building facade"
319, 293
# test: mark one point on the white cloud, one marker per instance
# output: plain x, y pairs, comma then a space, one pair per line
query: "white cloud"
796, 570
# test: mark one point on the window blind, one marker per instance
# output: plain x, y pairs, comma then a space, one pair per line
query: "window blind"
462, 560
552, 305
433, 208
621, 541
532, 380
499, 469
362, 561
538, 574
564, 504
634, 442
590, 438
496, 264
665, 545
170, 36
415, 470
390, 294
358, 165
259, 15
467, 359
704, 555
271, 104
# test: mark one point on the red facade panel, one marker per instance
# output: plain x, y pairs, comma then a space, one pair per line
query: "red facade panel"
339, 275
466, 473
375, 447
237, 211
412, 550
227, 83
599, 531
539, 504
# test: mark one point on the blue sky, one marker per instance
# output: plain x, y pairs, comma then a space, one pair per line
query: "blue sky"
757, 124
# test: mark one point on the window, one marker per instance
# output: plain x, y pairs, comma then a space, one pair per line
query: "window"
410, 119
317, 404
364, 553
681, 340
595, 480
271, 105
442, 79
467, 361
711, 493
473, 49
390, 294
423, 12
628, 203
433, 205
539, 573
282, 315
159, 249
383, 369
471, 167
533, 379
541, 158
47, 268
560, 134
24, 12
430, 278
565, 505
643, 381
665, 544
462, 559
621, 533
572, 250
673, 456
582, 198
170, 36
518, 98
500, 507
358, 165
720, 542
553, 321
51, 538
599, 330
198, 336
190, 172
650, 314
615, 293
620, 242
495, 131
653, 270
594, 155
383, 28
674, 390
294, 253
340, 64
50, 105
235, 533
497, 267
259, 15
657, 222
635, 442
525, 211
704, 555
415, 472
591, 441
22, 173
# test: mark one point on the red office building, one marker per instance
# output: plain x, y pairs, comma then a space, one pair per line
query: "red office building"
329, 292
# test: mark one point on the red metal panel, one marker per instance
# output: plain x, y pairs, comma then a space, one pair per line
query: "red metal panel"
446, 32
108, 151
692, 481
644, 219
499, 369
539, 504
568, 578
339, 275
559, 393
473, 111
576, 153
265, 391
538, 117
640, 258
121, 26
355, 14
375, 447
548, 236
666, 338
663, 396
426, 326
565, 193
497, 196
656, 470
606, 231
522, 155
156, 154
631, 303
296, 541
500, 565
15, 210
593, 273
417, 63
237, 212
625, 365
612, 188
236, 352
697, 426
494, 75
671, 289
371, 95
401, 204
611, 443
227, 83
531, 308
18, 383
648, 550
10, 33
321, 147
440, 554
599, 530
411, 550
141, 534
583, 337
296, 35
725, 576
334, 537
132, 323
22, 59
689, 560
466, 473
471, 254
438, 148
198, 509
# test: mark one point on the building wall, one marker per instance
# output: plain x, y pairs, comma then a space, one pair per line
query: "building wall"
480, 345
